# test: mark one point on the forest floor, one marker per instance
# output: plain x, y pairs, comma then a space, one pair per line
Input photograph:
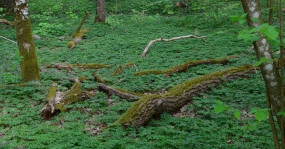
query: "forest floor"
118, 42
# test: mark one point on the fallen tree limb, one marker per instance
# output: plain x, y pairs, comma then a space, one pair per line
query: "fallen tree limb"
148, 106
57, 100
184, 67
71, 66
8, 39
78, 35
7, 22
167, 40
124, 95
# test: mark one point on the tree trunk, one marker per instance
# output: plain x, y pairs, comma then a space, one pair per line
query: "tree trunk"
26, 45
269, 70
100, 11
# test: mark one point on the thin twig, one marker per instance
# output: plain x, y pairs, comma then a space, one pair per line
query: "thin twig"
167, 40
8, 39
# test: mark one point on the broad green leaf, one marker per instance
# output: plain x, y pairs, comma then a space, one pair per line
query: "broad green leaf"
170, 12
262, 60
261, 115
281, 113
235, 18
252, 126
269, 31
219, 108
247, 35
237, 114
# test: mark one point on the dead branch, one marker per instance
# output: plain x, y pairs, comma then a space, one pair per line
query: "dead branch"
8, 39
7, 22
167, 40
111, 91
78, 35
57, 100
148, 106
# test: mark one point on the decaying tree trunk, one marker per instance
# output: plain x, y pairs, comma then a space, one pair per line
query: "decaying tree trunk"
100, 11
57, 100
29, 62
148, 106
78, 35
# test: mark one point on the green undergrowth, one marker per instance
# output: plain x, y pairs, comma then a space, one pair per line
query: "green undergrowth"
120, 41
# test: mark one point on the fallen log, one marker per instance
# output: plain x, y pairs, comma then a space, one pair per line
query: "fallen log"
148, 106
57, 100
184, 67
78, 35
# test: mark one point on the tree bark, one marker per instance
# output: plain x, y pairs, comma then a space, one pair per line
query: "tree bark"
269, 71
100, 11
26, 45
148, 106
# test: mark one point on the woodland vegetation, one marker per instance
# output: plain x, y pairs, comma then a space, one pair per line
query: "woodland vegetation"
141, 74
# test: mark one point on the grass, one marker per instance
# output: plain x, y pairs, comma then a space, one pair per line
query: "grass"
118, 42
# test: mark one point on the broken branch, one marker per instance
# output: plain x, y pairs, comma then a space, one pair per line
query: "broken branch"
167, 40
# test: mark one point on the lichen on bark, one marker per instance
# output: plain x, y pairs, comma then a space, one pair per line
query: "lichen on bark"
27, 49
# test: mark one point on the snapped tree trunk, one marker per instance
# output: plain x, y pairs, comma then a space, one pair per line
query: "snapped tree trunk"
100, 11
26, 45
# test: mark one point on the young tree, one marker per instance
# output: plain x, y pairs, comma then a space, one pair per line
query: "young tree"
270, 70
26, 45
100, 11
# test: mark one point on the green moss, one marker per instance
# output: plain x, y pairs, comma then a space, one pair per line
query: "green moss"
90, 66
131, 115
73, 95
70, 44
179, 89
52, 92
118, 70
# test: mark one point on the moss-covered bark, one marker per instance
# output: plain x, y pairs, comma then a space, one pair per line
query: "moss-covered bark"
81, 66
78, 35
57, 100
143, 110
184, 67
26, 45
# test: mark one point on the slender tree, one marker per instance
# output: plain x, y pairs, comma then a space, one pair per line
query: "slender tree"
270, 70
100, 11
26, 45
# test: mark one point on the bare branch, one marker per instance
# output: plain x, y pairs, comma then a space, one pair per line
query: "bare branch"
167, 40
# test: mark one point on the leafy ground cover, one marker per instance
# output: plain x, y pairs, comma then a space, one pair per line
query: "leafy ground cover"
118, 42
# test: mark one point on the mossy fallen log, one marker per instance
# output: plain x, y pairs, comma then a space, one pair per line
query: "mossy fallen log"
70, 67
184, 67
148, 106
78, 35
57, 100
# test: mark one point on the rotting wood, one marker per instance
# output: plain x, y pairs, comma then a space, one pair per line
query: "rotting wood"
184, 67
70, 67
124, 95
78, 35
148, 106
98, 79
57, 100
167, 40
